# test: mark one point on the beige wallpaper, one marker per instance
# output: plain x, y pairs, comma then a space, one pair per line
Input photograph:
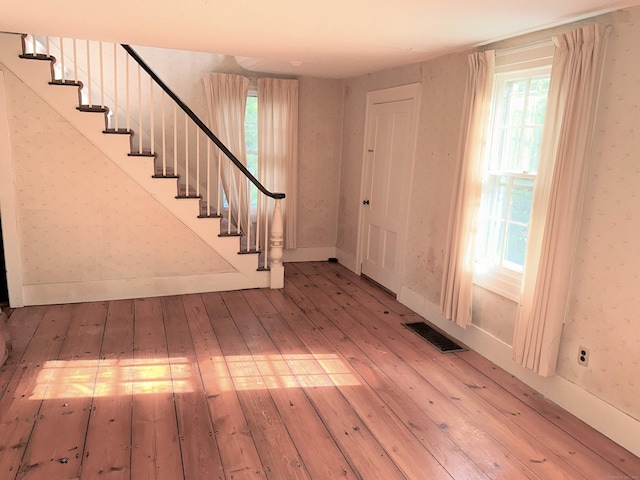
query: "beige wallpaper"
320, 132
605, 302
81, 218
182, 72
436, 149
319, 137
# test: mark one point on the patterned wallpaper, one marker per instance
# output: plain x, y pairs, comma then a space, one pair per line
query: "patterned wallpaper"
81, 218
319, 138
605, 302
320, 132
436, 150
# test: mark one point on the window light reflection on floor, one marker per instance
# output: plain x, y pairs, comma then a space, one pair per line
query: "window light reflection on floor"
113, 377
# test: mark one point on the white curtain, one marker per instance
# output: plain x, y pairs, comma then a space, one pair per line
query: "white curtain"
226, 97
278, 146
557, 205
457, 282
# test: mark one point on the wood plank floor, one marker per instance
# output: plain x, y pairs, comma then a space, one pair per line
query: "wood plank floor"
315, 381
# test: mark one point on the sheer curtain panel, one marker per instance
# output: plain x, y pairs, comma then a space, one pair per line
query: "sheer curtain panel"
457, 281
226, 97
278, 146
557, 204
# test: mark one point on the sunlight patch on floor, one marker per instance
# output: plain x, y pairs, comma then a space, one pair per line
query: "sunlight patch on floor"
113, 377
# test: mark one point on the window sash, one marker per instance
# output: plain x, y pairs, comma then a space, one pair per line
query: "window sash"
512, 156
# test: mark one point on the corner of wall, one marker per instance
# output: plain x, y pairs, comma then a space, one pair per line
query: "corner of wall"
604, 417
8, 213
347, 260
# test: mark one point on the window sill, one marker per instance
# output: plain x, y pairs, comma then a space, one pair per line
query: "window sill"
506, 283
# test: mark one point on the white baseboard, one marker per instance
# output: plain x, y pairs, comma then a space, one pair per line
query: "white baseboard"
309, 254
347, 260
75, 292
604, 417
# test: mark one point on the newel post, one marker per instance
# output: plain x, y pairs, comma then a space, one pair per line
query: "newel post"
276, 247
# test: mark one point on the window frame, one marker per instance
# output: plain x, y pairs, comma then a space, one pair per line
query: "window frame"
524, 62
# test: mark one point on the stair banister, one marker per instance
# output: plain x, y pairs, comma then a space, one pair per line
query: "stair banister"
277, 227
201, 124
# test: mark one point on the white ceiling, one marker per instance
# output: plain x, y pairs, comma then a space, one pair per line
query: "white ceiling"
325, 38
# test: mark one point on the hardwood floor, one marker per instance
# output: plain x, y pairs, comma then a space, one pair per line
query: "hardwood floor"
316, 381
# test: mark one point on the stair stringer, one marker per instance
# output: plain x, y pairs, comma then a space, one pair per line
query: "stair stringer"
36, 74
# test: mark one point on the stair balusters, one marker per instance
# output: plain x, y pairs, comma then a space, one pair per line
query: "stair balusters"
181, 148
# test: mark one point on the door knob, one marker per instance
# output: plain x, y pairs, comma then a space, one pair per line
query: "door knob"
365, 202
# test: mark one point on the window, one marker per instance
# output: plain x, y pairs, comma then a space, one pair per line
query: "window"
251, 146
511, 164
251, 141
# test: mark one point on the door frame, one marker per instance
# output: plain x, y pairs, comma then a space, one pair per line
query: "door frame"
10, 232
389, 95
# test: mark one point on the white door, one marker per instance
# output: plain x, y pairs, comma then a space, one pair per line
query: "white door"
388, 163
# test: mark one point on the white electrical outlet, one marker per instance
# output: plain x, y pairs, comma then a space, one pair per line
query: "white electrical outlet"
583, 356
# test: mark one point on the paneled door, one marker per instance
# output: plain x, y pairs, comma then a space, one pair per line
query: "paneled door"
389, 148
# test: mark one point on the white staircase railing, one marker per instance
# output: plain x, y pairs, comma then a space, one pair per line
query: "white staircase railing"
114, 80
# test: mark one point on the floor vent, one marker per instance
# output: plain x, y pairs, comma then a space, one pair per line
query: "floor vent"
435, 338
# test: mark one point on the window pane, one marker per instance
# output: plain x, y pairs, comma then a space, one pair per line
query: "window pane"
251, 110
252, 163
516, 245
497, 196
251, 143
530, 153
251, 137
536, 108
490, 235
515, 102
521, 198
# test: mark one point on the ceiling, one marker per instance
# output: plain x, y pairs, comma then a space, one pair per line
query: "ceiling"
328, 38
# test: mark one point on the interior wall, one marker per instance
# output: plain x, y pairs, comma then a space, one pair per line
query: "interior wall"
319, 135
352, 142
319, 138
604, 300
80, 218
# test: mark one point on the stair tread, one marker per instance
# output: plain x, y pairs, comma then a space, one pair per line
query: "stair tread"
249, 252
36, 56
119, 131
66, 83
168, 175
93, 108
141, 154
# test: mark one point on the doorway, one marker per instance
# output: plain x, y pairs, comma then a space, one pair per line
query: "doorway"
390, 133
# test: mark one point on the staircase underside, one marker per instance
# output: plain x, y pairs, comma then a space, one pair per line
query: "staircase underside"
90, 123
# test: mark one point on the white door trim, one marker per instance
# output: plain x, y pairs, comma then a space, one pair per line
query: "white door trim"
10, 231
374, 97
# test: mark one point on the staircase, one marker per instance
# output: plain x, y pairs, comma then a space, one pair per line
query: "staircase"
115, 100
